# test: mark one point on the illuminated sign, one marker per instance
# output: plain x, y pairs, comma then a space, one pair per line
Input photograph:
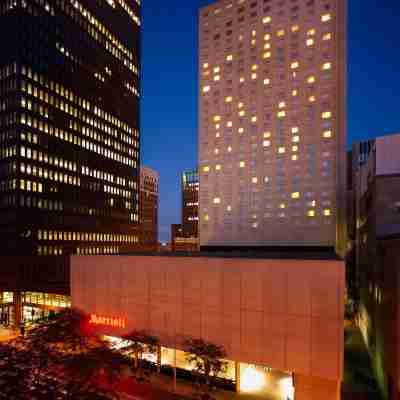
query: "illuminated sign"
107, 321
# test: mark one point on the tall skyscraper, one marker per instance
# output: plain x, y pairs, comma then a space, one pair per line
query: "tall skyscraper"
69, 126
190, 203
149, 190
272, 123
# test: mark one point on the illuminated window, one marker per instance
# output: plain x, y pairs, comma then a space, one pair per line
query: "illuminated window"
280, 33
294, 65
240, 105
326, 66
326, 115
229, 149
216, 70
218, 167
295, 28
281, 114
217, 200
266, 20
266, 81
282, 206
327, 36
311, 79
267, 54
267, 135
311, 213
206, 217
241, 80
229, 124
295, 195
254, 180
310, 42
254, 76
253, 119
295, 93
267, 46
217, 78
296, 139
205, 65
267, 36
326, 17
266, 143
311, 32
327, 134
327, 212
242, 113
242, 164
206, 169
295, 148
281, 150
282, 104
241, 130
294, 157
311, 99
217, 118
295, 129
229, 208
254, 67
229, 57
228, 99
206, 89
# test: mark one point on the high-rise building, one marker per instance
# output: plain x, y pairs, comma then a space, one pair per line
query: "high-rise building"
69, 126
190, 204
272, 123
373, 275
149, 189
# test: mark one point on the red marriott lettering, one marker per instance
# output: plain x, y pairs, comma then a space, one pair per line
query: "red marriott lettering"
107, 321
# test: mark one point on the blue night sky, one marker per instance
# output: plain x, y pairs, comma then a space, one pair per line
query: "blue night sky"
169, 86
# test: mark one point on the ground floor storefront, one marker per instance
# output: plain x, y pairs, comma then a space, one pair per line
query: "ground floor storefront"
255, 380
19, 307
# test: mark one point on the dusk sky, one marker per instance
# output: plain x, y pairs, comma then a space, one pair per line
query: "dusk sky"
169, 86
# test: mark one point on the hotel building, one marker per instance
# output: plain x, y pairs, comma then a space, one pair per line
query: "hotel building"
149, 200
69, 127
272, 123
280, 319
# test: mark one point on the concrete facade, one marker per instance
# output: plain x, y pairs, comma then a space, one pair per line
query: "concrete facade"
284, 314
272, 124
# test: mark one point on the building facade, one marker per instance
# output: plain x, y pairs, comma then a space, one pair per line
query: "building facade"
270, 314
69, 127
149, 195
272, 123
190, 204
374, 226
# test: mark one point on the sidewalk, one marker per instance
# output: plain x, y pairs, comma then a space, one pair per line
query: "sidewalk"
7, 334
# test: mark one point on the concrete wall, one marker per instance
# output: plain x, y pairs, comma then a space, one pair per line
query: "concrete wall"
284, 314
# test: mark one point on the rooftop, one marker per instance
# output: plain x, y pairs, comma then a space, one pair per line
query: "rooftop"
271, 253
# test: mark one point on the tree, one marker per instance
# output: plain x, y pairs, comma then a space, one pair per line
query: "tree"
141, 342
207, 359
63, 356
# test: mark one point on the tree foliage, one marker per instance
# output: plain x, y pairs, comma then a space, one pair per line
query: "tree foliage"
206, 358
62, 356
141, 342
